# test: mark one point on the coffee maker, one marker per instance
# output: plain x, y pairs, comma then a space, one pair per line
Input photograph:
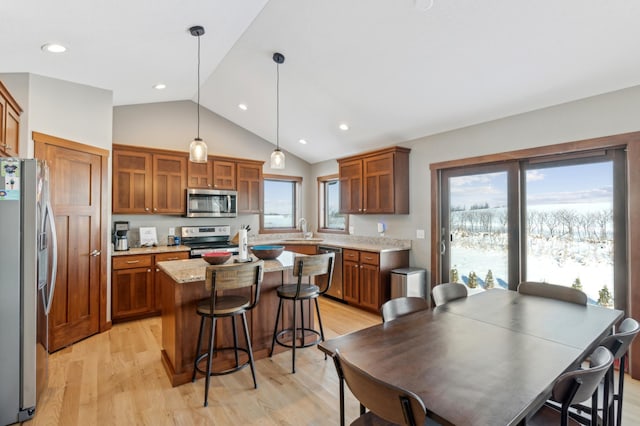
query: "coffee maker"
120, 240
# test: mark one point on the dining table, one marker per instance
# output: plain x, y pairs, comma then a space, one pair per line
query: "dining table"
488, 359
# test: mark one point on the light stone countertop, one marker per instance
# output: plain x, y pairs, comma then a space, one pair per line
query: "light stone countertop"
192, 270
373, 244
149, 250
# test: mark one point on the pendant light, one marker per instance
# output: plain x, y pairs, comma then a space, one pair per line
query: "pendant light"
198, 148
277, 156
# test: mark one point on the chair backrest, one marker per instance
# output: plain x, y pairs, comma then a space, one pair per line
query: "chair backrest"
314, 265
394, 308
619, 342
443, 293
578, 385
234, 276
553, 291
390, 402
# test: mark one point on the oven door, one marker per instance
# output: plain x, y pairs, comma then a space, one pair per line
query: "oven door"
211, 203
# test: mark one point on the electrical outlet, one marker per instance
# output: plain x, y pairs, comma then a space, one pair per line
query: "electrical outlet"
381, 227
352, 230
420, 234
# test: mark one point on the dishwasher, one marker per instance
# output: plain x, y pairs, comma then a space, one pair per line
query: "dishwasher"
335, 291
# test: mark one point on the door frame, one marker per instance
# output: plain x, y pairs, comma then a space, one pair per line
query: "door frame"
39, 142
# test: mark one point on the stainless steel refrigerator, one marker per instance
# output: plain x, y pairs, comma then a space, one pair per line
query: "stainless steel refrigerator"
27, 282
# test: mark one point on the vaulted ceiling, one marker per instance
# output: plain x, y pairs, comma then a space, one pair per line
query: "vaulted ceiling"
393, 70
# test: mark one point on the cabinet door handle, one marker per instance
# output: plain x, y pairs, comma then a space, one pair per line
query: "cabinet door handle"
146, 209
170, 258
95, 253
155, 209
131, 262
157, 270
148, 270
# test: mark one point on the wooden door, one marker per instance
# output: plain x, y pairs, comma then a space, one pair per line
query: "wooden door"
132, 292
78, 178
199, 174
369, 286
224, 174
378, 184
169, 183
350, 186
249, 187
351, 276
132, 182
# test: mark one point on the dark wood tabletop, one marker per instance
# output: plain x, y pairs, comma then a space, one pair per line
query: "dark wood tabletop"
489, 359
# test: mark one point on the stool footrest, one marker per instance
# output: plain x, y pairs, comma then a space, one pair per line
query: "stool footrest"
240, 366
303, 332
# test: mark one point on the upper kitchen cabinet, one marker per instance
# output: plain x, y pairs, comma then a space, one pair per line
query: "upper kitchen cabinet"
9, 124
375, 182
148, 181
214, 174
249, 186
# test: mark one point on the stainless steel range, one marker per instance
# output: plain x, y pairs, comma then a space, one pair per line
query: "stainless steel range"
205, 239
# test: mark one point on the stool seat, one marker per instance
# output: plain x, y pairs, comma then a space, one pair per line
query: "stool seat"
225, 305
289, 291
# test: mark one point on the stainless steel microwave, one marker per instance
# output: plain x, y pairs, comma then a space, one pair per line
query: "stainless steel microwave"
211, 203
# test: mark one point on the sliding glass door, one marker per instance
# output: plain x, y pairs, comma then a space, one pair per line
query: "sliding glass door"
558, 219
478, 226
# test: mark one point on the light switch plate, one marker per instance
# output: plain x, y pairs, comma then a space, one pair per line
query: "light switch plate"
420, 234
352, 229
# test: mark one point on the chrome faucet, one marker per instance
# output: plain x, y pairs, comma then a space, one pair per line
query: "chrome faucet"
302, 223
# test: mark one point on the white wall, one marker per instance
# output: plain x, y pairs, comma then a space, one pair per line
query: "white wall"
69, 111
602, 115
172, 125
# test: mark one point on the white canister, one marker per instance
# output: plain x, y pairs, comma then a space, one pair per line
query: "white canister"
243, 244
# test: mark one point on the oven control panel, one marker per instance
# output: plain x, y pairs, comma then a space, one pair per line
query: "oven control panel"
205, 231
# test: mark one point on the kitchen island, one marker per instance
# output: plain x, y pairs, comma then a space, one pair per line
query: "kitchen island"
182, 286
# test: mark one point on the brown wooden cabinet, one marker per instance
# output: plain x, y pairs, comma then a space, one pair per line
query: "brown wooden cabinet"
214, 174
135, 291
224, 174
375, 182
249, 186
131, 287
366, 276
9, 124
148, 181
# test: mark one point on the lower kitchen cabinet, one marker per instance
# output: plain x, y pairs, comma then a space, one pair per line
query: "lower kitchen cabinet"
135, 291
366, 276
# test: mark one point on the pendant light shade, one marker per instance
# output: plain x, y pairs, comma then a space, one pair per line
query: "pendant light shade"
198, 148
277, 156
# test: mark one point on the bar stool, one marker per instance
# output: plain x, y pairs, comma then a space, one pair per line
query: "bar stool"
241, 286
303, 267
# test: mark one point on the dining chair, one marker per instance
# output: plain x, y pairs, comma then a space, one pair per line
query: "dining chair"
387, 404
443, 293
244, 281
572, 388
618, 343
553, 291
304, 267
394, 308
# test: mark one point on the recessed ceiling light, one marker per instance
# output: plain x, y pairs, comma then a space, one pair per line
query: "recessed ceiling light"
160, 86
53, 48
243, 107
344, 126
302, 141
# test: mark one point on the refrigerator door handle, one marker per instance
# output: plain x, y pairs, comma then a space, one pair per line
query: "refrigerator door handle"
54, 247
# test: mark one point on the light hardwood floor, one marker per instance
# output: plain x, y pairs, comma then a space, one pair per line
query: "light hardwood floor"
116, 378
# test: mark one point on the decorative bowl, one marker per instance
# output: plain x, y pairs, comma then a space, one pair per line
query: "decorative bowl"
267, 252
216, 258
